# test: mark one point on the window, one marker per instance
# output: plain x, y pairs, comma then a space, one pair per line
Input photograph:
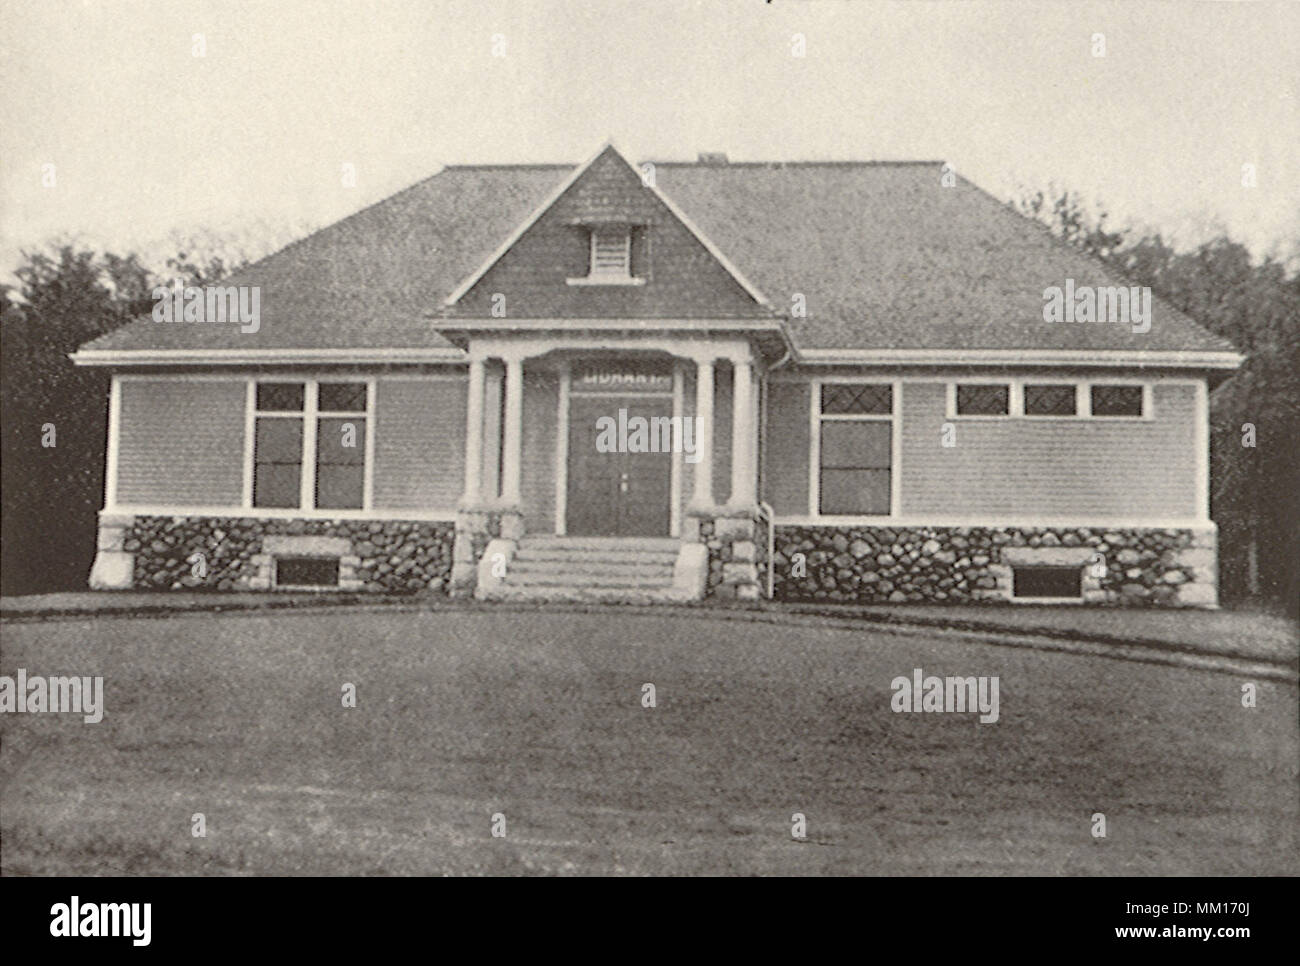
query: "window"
611, 252
1050, 400
610, 257
306, 571
1047, 582
1116, 400
979, 399
1023, 398
855, 449
318, 425
277, 450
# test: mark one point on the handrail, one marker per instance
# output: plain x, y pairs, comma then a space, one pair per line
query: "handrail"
765, 510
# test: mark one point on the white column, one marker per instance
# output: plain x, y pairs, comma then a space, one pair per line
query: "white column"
703, 495
742, 435
474, 436
511, 471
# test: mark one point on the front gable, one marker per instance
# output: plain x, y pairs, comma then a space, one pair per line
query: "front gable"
675, 272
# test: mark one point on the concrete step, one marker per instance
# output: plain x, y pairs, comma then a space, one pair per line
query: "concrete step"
570, 580
620, 544
628, 595
562, 557
631, 568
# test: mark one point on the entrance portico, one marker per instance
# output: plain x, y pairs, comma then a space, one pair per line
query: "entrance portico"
631, 422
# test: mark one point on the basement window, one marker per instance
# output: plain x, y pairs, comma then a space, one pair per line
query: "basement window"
307, 572
1047, 583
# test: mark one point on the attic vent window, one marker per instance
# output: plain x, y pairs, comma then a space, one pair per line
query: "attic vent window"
611, 258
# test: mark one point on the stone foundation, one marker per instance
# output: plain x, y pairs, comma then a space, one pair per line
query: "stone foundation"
475, 529
238, 553
737, 551
1129, 566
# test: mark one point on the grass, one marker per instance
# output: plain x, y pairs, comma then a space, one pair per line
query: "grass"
538, 715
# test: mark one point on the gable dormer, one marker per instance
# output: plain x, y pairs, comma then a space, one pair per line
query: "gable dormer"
607, 244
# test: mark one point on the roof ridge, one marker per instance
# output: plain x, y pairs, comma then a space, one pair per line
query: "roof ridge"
792, 164
509, 166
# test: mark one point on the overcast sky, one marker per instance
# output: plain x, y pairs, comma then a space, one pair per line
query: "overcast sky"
146, 138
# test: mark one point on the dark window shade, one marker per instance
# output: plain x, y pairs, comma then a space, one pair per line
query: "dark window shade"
983, 400
280, 396
277, 459
855, 467
1049, 400
857, 400
1117, 400
340, 469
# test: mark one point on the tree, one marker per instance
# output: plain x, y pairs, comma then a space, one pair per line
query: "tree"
53, 414
1255, 489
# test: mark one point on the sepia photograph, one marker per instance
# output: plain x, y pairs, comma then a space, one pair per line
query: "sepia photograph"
700, 438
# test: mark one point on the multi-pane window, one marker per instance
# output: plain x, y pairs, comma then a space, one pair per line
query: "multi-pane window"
295, 419
984, 399
1024, 398
856, 449
1050, 399
341, 446
277, 450
1116, 400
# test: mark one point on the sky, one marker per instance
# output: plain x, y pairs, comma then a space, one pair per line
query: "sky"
245, 130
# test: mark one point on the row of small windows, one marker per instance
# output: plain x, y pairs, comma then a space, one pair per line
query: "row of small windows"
1050, 399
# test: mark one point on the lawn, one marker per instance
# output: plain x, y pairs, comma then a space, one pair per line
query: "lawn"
538, 716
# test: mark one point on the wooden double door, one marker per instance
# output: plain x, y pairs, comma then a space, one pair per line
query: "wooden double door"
614, 492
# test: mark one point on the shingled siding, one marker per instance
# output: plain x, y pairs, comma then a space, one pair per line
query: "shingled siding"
537, 483
682, 279
181, 443
1050, 467
419, 444
786, 448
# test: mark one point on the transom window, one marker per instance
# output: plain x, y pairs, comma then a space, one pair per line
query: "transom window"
309, 445
1116, 400
979, 399
853, 400
1050, 400
855, 449
1067, 400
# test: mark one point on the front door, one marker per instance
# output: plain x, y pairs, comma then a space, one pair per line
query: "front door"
620, 473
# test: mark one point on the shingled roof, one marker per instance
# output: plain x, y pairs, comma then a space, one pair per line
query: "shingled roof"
885, 256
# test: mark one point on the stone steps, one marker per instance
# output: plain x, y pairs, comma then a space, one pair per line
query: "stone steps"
590, 568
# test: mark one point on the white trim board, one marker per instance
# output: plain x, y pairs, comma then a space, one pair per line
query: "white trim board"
1024, 357
996, 523
275, 513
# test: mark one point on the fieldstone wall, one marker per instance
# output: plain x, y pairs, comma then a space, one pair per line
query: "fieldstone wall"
965, 564
395, 556
737, 546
